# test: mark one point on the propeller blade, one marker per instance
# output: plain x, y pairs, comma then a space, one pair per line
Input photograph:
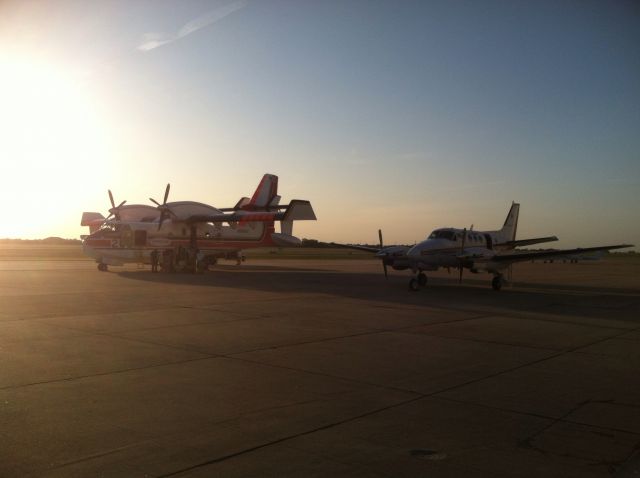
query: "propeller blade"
166, 193
113, 203
382, 255
154, 201
464, 238
121, 204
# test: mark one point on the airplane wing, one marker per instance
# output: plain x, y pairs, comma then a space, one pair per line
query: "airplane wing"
521, 256
355, 247
297, 210
528, 242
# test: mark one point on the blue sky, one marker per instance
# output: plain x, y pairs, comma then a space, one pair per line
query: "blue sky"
402, 115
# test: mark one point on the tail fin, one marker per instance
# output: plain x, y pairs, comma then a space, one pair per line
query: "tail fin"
266, 194
92, 219
510, 226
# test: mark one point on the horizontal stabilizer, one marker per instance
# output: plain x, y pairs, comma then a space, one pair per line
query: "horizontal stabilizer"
296, 210
299, 210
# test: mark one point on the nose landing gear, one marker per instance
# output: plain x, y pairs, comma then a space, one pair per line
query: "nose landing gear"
420, 280
102, 267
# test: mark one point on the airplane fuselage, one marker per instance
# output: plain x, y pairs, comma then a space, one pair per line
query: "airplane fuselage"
444, 247
117, 243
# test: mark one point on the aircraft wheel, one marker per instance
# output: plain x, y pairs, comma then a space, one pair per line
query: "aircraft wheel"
422, 279
414, 285
102, 267
496, 283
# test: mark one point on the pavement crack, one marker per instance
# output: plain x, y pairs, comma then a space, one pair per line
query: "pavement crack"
102, 374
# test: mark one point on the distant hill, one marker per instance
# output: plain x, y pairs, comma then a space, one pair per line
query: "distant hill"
56, 241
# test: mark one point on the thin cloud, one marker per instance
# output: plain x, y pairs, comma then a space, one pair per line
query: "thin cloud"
154, 40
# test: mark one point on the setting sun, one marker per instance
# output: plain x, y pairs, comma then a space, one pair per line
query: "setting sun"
51, 140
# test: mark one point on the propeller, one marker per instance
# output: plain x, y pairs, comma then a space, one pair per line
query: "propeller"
165, 212
384, 264
460, 266
115, 210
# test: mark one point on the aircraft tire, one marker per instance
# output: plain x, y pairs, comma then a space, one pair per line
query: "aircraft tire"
102, 267
414, 285
422, 279
496, 283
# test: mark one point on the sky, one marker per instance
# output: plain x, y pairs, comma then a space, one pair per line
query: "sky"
400, 115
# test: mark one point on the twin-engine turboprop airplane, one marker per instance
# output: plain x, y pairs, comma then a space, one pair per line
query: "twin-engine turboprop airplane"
489, 251
189, 235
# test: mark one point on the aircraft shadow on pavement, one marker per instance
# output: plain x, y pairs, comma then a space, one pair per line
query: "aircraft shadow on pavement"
472, 294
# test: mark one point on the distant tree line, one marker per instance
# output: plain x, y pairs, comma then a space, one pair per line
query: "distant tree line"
314, 243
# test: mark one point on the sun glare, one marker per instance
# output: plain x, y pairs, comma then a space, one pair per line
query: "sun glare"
51, 144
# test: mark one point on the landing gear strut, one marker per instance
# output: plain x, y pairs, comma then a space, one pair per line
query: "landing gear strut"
497, 282
102, 267
420, 280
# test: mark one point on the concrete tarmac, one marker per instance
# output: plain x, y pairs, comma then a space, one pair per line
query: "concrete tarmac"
318, 368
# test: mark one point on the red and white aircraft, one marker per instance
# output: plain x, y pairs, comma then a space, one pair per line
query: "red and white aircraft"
190, 235
488, 251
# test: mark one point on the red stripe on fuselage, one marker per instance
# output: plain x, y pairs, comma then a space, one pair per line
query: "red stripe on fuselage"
264, 241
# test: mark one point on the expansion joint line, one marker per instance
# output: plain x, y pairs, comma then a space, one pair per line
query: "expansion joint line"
287, 438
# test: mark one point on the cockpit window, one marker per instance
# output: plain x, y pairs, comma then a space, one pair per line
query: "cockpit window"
108, 229
108, 226
443, 234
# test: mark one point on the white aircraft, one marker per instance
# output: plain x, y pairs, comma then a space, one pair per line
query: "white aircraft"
489, 251
190, 235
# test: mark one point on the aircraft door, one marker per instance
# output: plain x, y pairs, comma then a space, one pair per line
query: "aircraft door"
127, 236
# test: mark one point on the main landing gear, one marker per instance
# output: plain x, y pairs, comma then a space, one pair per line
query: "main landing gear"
420, 280
497, 282
102, 267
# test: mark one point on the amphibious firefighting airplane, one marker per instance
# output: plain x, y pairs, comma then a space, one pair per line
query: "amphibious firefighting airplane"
489, 251
190, 235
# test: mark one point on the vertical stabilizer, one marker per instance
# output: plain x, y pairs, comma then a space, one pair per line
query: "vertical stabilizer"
265, 193
510, 226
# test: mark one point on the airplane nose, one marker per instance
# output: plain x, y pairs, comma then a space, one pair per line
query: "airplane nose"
414, 251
